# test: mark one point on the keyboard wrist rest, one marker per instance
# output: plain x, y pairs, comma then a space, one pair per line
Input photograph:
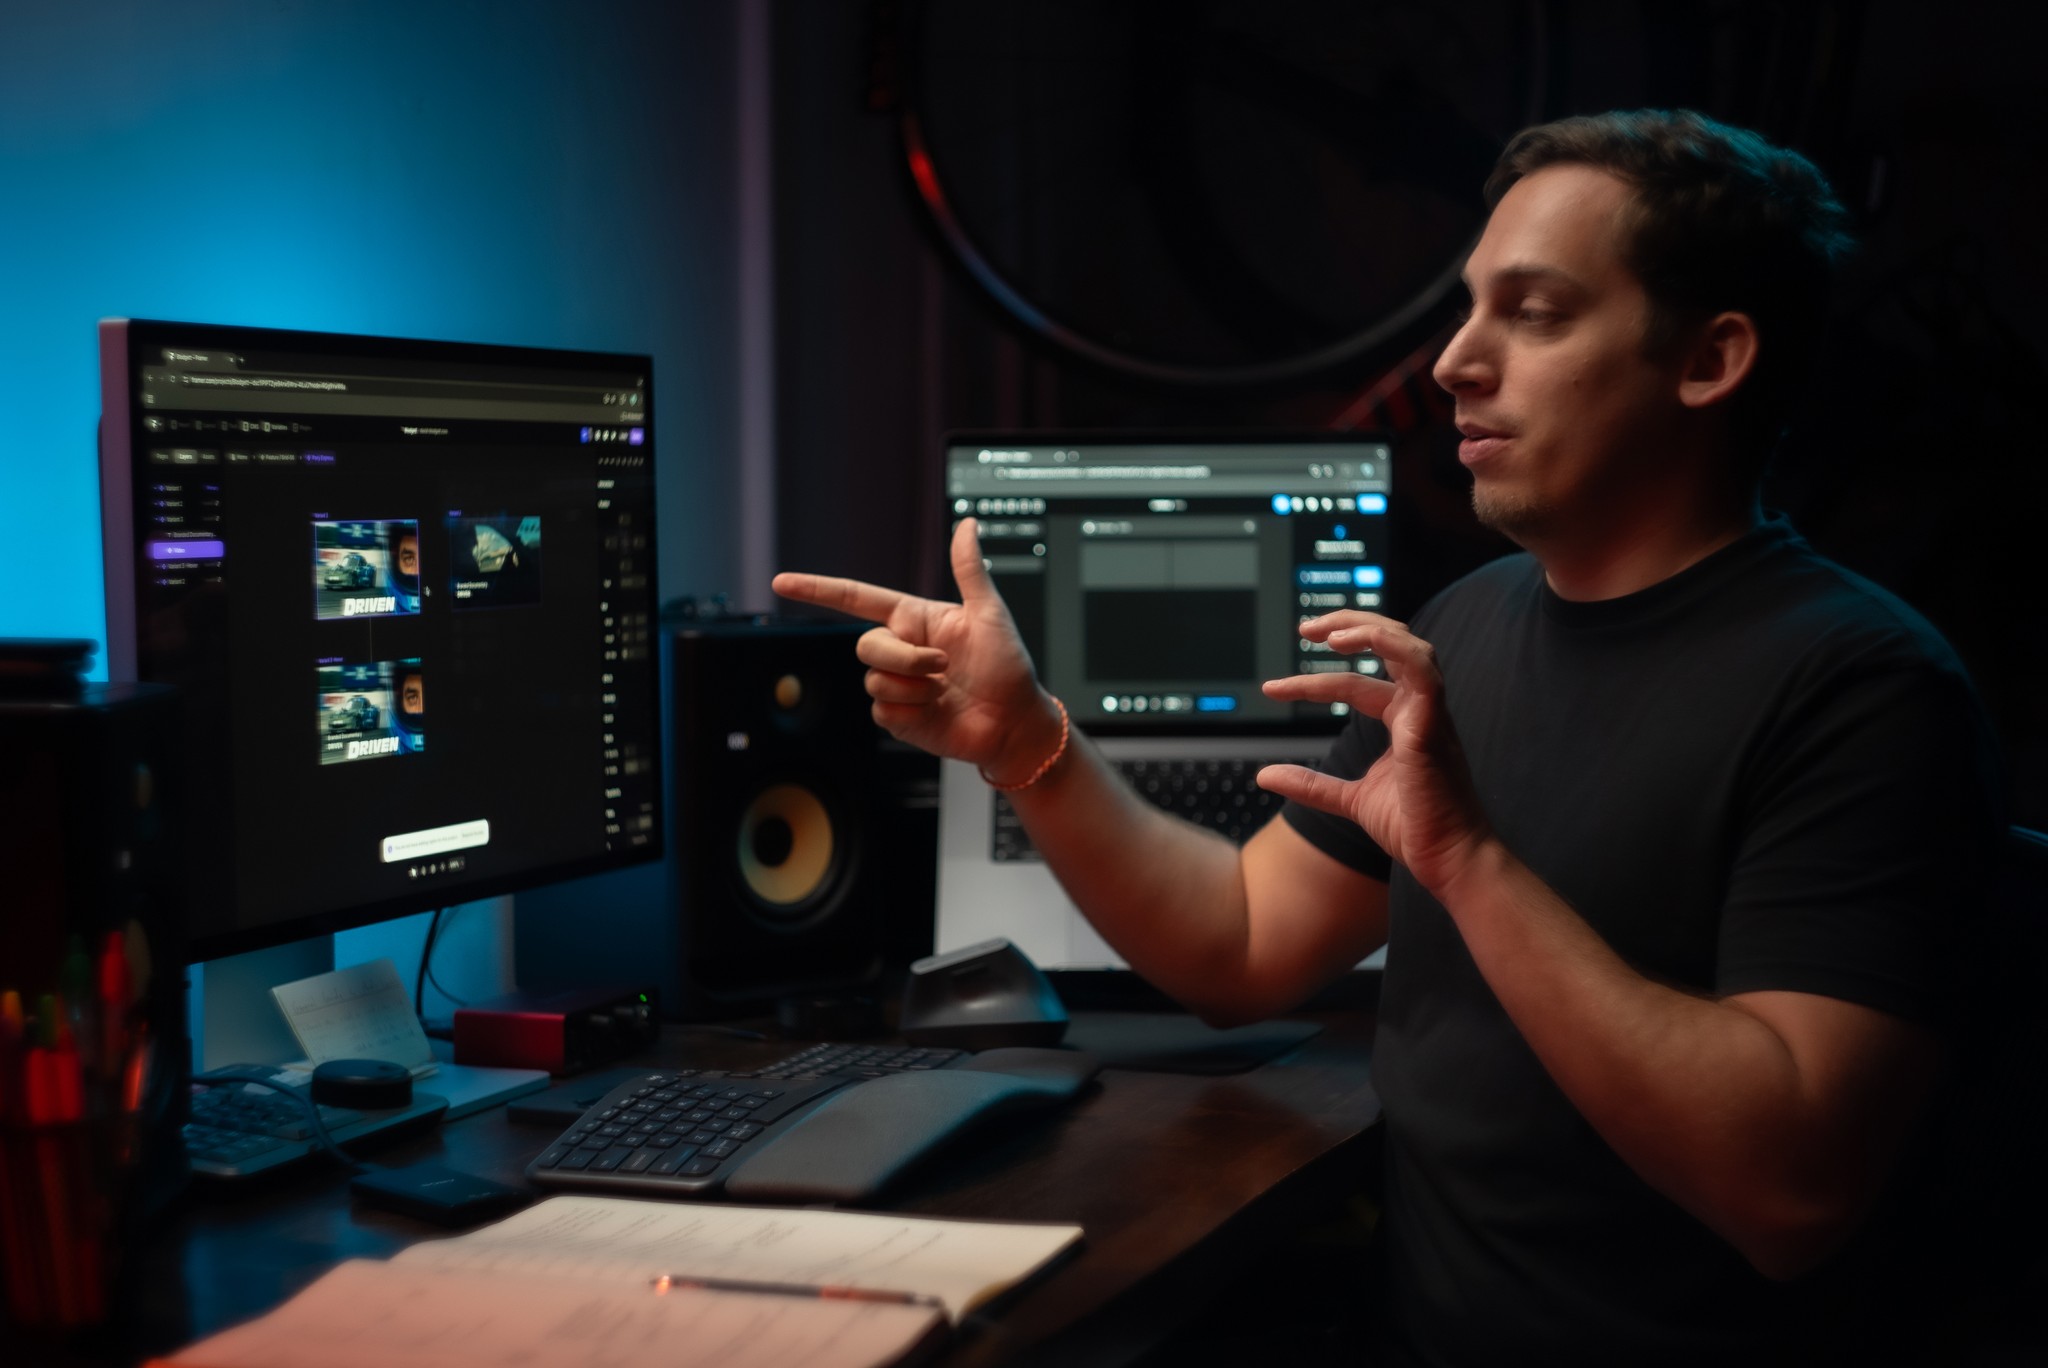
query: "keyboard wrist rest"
860, 1140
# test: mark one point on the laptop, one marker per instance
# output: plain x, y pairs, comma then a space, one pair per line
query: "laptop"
1156, 581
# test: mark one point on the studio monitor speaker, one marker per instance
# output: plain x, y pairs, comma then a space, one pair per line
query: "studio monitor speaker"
804, 836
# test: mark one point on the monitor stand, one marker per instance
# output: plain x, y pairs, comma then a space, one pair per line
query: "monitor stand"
238, 1022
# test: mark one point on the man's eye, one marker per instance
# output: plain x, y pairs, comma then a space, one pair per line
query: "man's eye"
1529, 313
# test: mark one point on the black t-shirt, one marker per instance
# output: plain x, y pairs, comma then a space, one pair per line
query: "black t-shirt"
1762, 773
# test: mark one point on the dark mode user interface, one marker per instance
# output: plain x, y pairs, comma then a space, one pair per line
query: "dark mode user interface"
1157, 584
409, 604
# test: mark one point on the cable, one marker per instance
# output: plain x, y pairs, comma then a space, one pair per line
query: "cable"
304, 1099
426, 973
419, 980
435, 980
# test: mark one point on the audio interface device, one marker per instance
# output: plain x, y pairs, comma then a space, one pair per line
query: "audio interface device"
563, 1030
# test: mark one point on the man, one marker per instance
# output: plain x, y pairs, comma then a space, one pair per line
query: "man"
403, 541
410, 721
1663, 820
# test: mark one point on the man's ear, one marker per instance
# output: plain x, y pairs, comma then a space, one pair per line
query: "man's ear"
1722, 357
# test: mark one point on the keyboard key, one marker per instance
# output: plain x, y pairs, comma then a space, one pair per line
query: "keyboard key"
1222, 795
665, 1164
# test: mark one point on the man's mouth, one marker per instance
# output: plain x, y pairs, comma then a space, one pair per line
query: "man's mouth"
1480, 442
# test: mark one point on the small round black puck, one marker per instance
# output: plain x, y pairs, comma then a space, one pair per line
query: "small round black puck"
365, 1084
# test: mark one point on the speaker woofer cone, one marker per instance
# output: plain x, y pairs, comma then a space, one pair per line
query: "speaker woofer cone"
788, 850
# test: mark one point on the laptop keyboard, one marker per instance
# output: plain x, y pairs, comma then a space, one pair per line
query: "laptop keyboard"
1222, 795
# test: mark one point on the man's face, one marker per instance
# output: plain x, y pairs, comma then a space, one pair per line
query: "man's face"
408, 554
1564, 417
412, 696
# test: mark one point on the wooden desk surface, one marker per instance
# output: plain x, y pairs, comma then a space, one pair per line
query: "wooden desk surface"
1176, 1179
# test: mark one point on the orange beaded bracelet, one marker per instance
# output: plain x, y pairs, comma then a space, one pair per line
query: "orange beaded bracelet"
1050, 760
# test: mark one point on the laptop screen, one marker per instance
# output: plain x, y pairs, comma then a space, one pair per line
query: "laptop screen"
1158, 581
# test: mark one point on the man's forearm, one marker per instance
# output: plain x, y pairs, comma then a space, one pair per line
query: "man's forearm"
1771, 1120
1166, 894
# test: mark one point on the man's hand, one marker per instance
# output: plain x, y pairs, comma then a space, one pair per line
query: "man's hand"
951, 678
1417, 800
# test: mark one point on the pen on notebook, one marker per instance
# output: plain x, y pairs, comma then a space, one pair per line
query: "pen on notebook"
784, 1289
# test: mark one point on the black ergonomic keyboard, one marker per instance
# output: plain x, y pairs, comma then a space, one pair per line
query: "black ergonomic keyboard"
833, 1123
1222, 795
238, 1130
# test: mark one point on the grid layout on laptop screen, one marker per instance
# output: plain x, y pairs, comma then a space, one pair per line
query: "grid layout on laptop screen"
1158, 582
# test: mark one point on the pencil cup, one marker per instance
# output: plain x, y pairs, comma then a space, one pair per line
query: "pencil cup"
61, 1183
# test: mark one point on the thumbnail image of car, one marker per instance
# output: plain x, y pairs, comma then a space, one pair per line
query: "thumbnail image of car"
350, 572
358, 714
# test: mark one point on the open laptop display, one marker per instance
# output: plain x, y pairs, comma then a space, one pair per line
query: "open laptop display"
1156, 582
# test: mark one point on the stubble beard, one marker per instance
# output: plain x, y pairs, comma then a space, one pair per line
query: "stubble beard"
1516, 517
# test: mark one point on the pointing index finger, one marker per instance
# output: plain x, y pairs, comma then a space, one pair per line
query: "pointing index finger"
855, 597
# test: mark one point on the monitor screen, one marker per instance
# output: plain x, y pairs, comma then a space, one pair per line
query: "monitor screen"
1158, 581
406, 591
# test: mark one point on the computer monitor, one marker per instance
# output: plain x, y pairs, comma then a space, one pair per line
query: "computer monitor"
313, 535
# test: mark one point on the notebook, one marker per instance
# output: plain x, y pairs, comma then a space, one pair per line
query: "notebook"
598, 1282
1156, 581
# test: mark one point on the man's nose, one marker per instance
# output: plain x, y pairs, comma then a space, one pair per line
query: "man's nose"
1460, 367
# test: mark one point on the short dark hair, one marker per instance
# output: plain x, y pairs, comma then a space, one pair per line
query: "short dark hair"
1722, 220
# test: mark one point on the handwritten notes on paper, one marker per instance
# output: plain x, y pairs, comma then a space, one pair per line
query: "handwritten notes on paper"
960, 1262
361, 1012
365, 1313
568, 1283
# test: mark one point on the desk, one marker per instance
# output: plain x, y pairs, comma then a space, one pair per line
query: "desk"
1177, 1179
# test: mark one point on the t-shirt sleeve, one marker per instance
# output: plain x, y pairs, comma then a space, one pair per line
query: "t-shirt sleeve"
1864, 860
1356, 747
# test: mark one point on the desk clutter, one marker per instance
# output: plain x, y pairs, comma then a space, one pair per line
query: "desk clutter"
92, 1006
580, 1281
77, 1069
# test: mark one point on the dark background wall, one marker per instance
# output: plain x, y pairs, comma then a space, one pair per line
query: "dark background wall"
1213, 185
509, 171
1185, 184
513, 171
